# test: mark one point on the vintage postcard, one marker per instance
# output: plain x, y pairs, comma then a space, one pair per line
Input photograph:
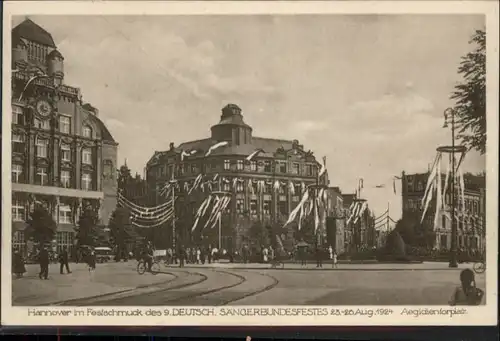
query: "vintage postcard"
250, 163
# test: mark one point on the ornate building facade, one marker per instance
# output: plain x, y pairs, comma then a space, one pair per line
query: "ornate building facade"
471, 212
63, 156
285, 162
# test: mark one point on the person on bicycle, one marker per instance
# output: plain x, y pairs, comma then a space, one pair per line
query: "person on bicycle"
148, 255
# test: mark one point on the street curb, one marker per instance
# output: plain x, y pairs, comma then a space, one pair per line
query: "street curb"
323, 269
58, 303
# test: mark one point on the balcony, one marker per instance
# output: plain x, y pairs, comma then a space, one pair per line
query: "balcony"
56, 191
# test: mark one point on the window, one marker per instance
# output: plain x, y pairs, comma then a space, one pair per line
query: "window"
295, 168
267, 166
253, 207
87, 156
194, 169
41, 148
18, 242
18, 210
65, 179
18, 143
443, 222
268, 188
64, 214
42, 177
64, 241
240, 206
267, 207
281, 166
17, 115
227, 164
283, 207
65, 152
309, 170
42, 124
253, 166
17, 173
227, 187
87, 132
239, 186
65, 124
86, 182
239, 165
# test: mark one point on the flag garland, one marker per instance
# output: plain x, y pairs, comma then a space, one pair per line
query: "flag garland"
435, 187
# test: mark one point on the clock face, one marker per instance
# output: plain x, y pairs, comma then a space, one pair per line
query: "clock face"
43, 108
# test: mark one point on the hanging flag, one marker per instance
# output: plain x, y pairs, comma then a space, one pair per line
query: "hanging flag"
394, 185
446, 180
254, 154
293, 214
438, 190
427, 202
250, 187
235, 182
380, 186
276, 185
186, 154
291, 188
430, 179
215, 146
462, 187
316, 216
361, 183
323, 167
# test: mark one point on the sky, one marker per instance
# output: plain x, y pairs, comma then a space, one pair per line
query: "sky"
366, 91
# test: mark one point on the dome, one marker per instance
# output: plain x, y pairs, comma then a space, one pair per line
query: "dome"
55, 54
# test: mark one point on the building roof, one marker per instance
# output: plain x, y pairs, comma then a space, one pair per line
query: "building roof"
269, 146
31, 31
105, 134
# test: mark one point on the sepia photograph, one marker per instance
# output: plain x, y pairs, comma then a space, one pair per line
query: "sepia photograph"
248, 160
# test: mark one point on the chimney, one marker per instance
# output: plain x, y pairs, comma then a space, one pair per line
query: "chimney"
171, 146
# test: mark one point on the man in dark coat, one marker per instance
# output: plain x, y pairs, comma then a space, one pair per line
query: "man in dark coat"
182, 256
63, 261
319, 256
44, 260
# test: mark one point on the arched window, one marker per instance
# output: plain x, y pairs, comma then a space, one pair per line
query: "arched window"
87, 131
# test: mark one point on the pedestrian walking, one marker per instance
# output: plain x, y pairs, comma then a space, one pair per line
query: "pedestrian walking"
467, 293
64, 261
182, 256
335, 260
265, 254
319, 256
18, 267
91, 260
209, 254
44, 260
330, 252
198, 256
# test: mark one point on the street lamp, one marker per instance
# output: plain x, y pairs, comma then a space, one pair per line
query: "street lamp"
449, 115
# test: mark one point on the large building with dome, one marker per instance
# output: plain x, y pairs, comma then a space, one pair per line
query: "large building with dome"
63, 156
286, 162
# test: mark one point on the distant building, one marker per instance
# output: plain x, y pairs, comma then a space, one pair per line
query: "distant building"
63, 156
336, 219
285, 161
359, 234
471, 217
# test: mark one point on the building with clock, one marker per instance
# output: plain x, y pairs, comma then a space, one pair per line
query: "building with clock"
63, 156
279, 166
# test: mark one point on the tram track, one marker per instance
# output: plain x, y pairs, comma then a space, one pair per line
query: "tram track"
109, 298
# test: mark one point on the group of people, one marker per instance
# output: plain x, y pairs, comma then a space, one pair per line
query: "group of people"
43, 258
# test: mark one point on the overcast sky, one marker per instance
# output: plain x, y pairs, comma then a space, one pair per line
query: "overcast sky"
366, 91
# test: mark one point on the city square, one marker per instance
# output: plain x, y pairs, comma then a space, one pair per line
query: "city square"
184, 183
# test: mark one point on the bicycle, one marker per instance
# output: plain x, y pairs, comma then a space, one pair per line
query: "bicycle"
277, 264
479, 267
142, 266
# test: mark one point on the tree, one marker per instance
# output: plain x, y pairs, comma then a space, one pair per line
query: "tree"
470, 96
87, 228
259, 234
120, 220
41, 227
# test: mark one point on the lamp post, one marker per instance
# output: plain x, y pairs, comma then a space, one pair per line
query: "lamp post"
449, 114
